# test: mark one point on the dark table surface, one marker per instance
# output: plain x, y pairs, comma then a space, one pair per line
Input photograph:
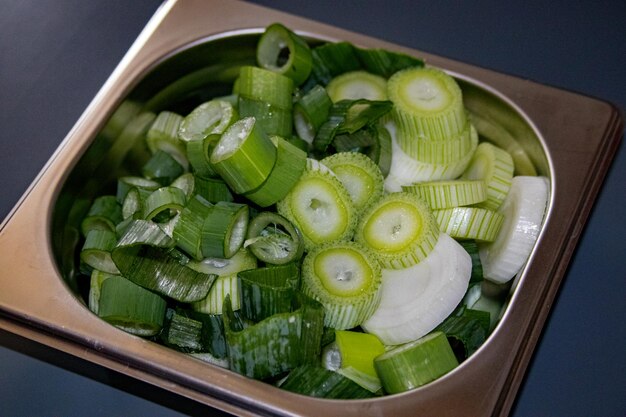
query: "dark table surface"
56, 54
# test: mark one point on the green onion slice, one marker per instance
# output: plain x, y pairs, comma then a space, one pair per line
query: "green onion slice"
105, 212
163, 136
290, 163
345, 277
211, 117
143, 256
130, 307
281, 50
400, 228
224, 229
96, 251
414, 364
244, 156
320, 207
268, 291
273, 239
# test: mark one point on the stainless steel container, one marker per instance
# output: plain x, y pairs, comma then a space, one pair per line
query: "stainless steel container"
568, 137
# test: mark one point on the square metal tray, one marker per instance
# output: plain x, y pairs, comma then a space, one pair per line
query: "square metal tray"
570, 138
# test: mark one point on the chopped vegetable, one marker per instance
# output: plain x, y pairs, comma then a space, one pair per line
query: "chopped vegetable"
330, 226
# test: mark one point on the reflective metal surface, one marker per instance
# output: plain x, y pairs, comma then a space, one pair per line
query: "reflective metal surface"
569, 138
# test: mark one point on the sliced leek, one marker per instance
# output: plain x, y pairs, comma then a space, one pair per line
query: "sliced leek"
352, 354
320, 207
357, 84
188, 229
415, 364
267, 86
96, 251
226, 285
143, 255
268, 291
359, 174
281, 50
163, 136
523, 211
211, 117
427, 103
400, 228
345, 278
224, 229
290, 163
446, 194
405, 170
273, 239
417, 299
131, 307
166, 201
316, 381
494, 166
469, 223
310, 111
244, 156
105, 212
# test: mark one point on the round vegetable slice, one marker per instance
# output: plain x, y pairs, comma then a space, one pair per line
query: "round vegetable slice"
320, 206
281, 50
494, 166
415, 300
523, 211
345, 278
273, 239
354, 85
400, 228
359, 174
211, 117
427, 103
